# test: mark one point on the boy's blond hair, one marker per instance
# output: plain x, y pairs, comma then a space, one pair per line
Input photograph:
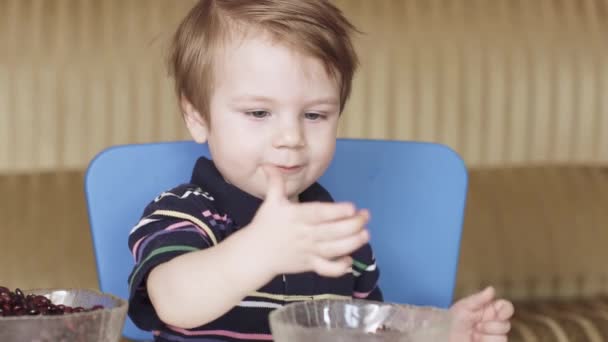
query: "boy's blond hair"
314, 28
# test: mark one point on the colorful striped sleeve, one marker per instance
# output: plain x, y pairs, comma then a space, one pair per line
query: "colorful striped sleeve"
175, 223
366, 274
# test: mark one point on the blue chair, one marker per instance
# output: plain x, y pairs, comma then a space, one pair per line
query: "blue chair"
415, 192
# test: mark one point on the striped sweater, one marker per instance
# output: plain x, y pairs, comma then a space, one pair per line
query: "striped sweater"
202, 214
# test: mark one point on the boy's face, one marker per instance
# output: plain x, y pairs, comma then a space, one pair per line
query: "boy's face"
271, 107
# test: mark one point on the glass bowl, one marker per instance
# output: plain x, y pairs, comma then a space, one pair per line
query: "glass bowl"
103, 325
358, 320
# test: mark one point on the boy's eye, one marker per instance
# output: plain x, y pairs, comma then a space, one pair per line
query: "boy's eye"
258, 114
313, 116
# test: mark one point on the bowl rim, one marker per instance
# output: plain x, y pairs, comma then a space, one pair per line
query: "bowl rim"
121, 304
273, 316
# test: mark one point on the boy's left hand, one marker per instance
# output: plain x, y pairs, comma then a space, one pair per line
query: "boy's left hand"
481, 318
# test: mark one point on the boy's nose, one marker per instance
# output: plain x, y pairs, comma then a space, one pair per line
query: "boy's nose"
289, 136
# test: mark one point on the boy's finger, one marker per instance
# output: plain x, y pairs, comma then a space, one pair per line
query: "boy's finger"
333, 268
504, 309
275, 184
321, 212
479, 300
346, 246
342, 228
494, 327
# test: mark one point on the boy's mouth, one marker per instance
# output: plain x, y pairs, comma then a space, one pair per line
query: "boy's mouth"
289, 169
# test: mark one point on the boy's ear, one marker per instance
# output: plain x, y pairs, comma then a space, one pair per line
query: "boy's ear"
194, 121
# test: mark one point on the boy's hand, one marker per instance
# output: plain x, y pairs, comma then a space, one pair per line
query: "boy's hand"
481, 318
302, 237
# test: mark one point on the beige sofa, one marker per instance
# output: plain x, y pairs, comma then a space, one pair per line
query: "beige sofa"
539, 235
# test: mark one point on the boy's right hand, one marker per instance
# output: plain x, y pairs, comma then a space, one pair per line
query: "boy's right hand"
302, 237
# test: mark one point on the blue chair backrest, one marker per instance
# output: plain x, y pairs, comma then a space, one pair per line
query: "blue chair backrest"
415, 192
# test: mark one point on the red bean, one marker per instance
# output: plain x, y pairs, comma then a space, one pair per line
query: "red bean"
18, 304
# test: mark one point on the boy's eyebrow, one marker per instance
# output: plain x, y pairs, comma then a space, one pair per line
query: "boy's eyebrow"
253, 98
259, 98
324, 101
